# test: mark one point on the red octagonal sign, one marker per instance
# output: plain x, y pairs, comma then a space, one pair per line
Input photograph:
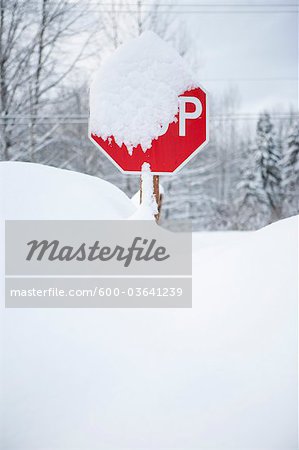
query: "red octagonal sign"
174, 148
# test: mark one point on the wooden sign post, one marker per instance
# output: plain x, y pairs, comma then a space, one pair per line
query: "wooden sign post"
156, 193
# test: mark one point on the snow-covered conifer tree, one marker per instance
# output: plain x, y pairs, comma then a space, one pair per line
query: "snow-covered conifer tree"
259, 196
290, 171
252, 202
268, 158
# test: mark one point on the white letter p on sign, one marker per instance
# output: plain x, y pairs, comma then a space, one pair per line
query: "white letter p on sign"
184, 115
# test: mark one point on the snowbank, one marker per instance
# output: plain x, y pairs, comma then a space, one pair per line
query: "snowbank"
148, 208
34, 191
135, 93
143, 212
136, 197
220, 375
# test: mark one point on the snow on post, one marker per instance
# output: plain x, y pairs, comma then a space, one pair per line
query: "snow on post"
134, 95
148, 208
148, 199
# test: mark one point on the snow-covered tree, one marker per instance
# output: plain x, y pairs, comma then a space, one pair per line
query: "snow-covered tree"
120, 20
290, 171
32, 35
268, 157
252, 204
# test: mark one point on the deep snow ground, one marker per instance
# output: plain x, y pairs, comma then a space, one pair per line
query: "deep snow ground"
34, 191
221, 375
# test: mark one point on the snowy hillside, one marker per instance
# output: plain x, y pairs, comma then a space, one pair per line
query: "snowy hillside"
219, 375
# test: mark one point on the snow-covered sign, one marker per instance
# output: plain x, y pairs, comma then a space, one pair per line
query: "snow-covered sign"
147, 107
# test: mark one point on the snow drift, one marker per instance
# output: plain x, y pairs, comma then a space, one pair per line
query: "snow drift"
220, 375
135, 93
34, 191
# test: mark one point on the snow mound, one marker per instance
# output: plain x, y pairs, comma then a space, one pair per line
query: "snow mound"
34, 191
148, 208
143, 212
136, 197
135, 93
221, 375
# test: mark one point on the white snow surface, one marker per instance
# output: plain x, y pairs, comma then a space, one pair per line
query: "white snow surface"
143, 212
35, 191
136, 90
220, 375
148, 207
136, 197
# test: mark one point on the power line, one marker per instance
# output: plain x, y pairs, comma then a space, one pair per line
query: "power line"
177, 4
167, 6
185, 5
205, 8
236, 80
83, 119
85, 116
196, 4
185, 12
295, 11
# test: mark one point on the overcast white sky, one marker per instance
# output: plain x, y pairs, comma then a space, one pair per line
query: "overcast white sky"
258, 52
249, 45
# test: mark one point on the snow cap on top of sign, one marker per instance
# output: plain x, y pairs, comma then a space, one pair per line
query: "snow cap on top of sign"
135, 92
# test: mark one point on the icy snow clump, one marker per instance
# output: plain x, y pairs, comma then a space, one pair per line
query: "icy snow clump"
134, 96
